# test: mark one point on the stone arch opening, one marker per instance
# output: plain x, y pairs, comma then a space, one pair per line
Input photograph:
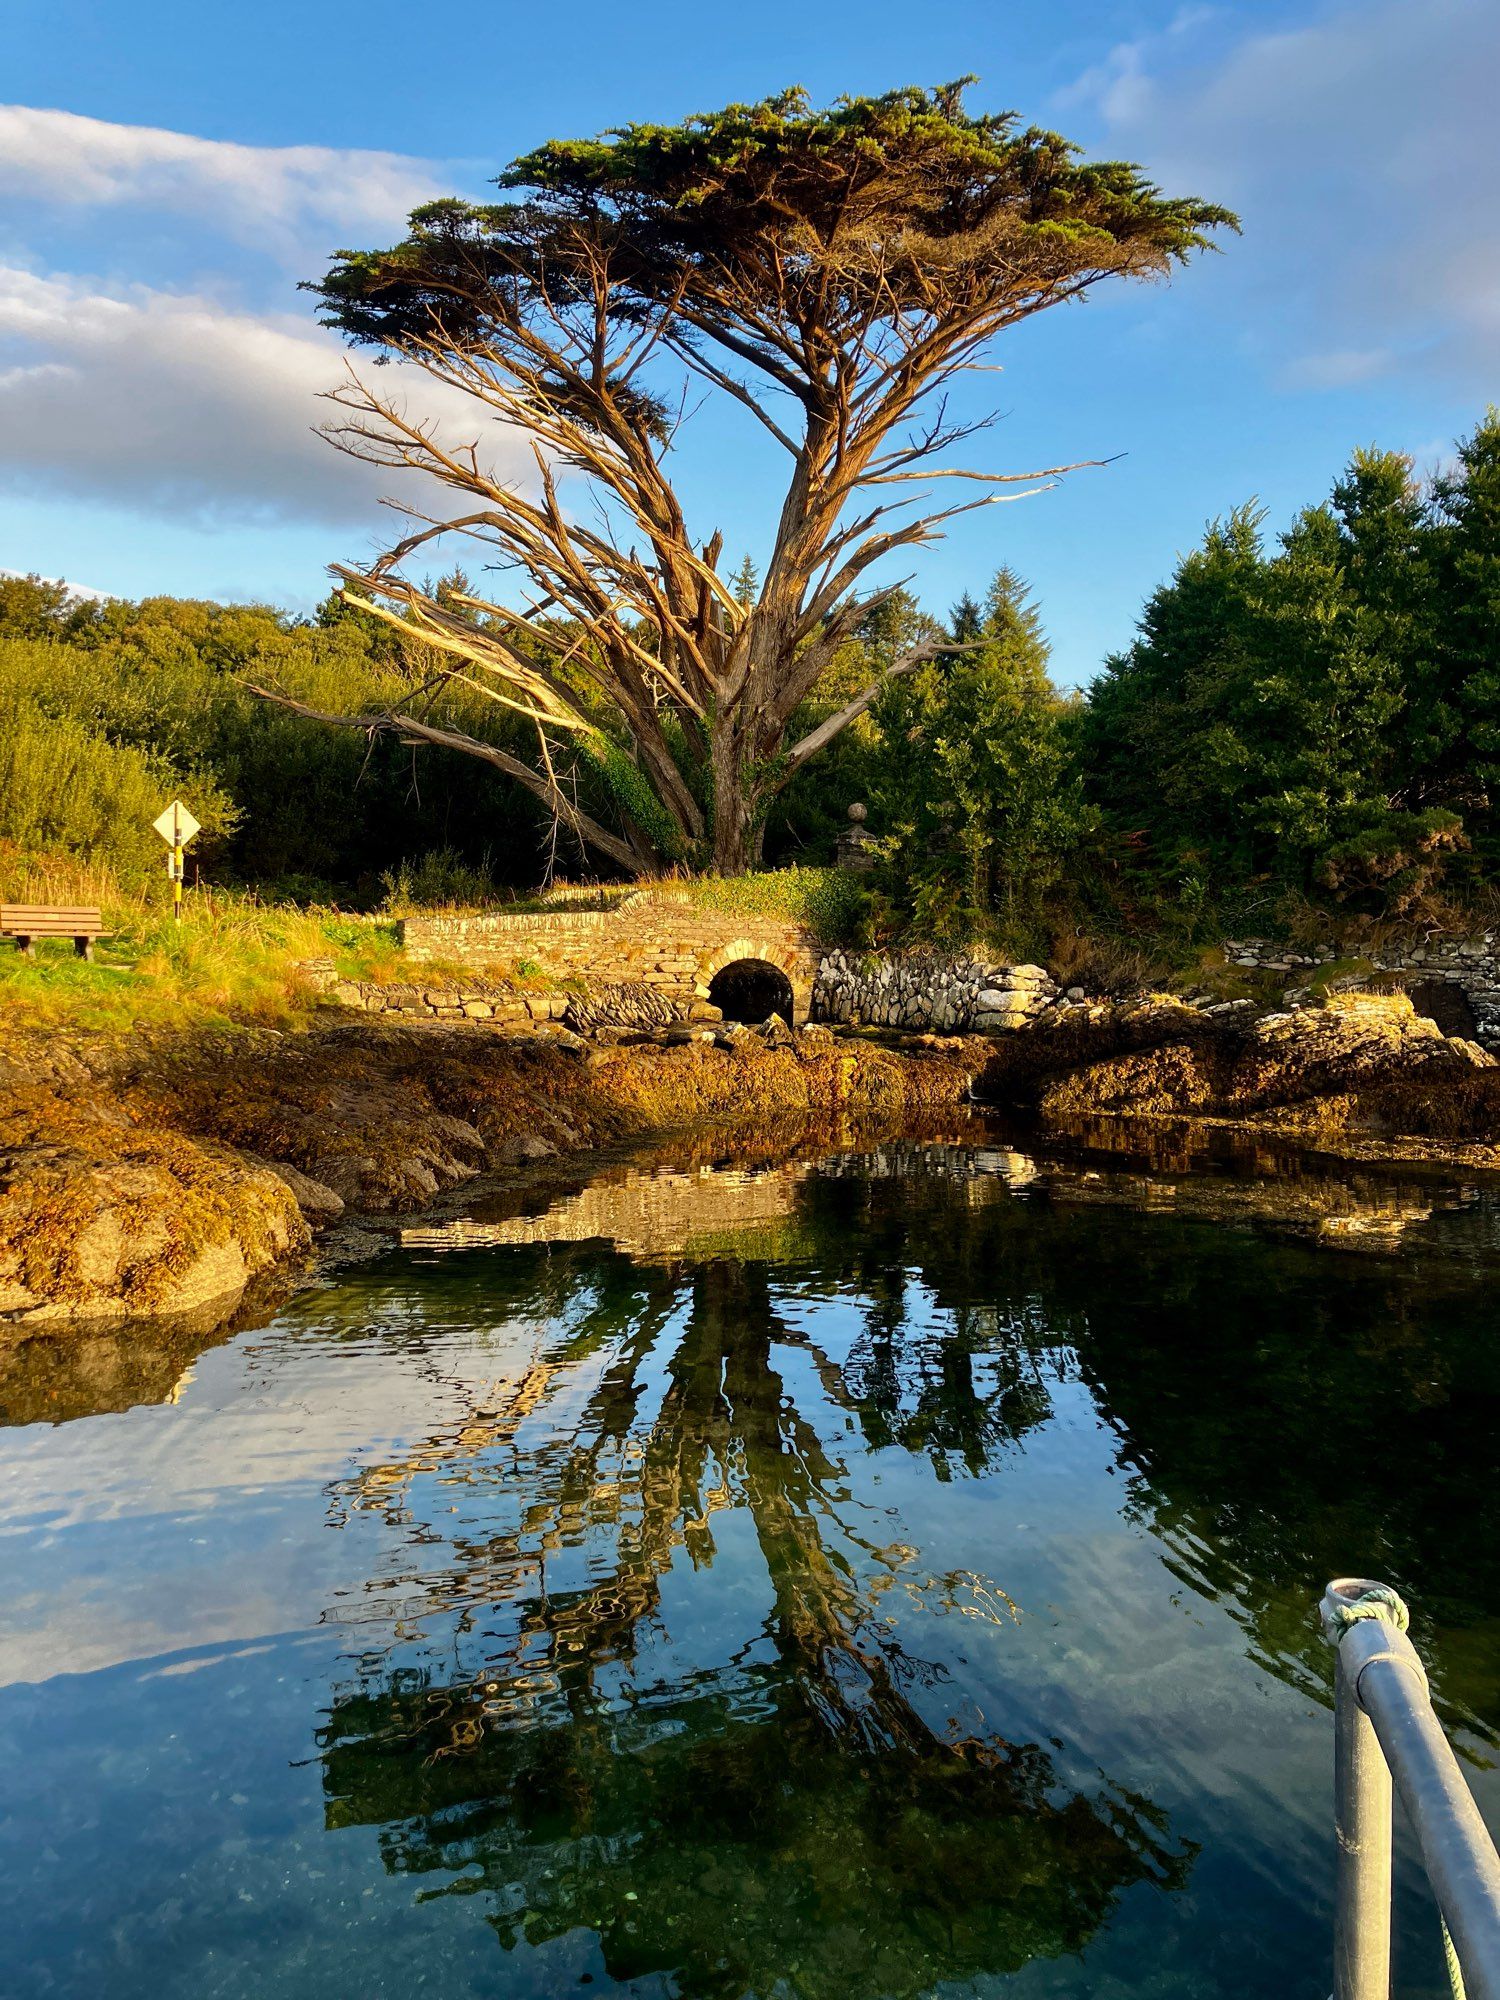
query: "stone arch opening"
1444, 1004
751, 990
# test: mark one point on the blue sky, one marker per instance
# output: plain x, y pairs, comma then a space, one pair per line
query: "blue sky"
167, 173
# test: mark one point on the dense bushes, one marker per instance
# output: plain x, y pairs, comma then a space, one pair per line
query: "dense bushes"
65, 788
112, 708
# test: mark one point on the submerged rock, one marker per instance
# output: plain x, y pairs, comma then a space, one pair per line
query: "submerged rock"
522, 1149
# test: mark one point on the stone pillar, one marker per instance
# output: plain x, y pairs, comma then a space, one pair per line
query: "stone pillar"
856, 848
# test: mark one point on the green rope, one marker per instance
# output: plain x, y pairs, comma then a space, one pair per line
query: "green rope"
1379, 1601
1455, 1970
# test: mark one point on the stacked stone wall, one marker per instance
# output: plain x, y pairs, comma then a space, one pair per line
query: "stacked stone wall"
467, 1000
1470, 965
650, 940
930, 991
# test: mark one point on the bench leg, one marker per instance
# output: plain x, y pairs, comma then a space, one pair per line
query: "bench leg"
84, 947
26, 947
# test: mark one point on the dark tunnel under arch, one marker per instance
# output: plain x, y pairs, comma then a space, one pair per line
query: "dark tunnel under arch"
751, 990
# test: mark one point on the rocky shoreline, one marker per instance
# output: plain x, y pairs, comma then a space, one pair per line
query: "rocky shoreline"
158, 1177
162, 1177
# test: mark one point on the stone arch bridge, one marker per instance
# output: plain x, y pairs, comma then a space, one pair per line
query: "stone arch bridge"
650, 937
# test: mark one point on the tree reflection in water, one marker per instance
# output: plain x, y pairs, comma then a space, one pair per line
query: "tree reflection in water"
794, 1792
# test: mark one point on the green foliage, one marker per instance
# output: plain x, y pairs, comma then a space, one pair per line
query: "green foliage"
975, 787
833, 905
441, 879
1324, 713
624, 783
877, 193
64, 788
1398, 856
111, 709
838, 909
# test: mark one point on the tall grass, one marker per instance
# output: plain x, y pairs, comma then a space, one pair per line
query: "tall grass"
830, 902
230, 959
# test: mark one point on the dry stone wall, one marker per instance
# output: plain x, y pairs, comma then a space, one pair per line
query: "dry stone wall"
1469, 966
648, 939
466, 1000
929, 990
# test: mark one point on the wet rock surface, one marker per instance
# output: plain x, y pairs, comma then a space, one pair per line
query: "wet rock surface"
1362, 1073
159, 1177
101, 1220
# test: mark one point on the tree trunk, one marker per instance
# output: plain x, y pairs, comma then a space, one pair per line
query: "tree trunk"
735, 849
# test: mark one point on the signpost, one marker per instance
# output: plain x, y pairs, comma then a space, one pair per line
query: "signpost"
176, 827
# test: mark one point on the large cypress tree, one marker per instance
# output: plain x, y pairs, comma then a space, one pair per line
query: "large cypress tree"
832, 272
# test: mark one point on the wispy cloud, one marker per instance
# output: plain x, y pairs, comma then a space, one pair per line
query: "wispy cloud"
275, 197
1363, 151
171, 402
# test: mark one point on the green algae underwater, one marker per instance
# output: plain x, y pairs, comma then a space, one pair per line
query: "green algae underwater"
866, 1570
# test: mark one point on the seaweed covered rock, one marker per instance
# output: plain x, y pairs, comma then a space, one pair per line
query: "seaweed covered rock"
101, 1220
1360, 1064
153, 1177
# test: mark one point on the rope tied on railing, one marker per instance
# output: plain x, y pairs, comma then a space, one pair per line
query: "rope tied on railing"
1450, 1958
1376, 1600
1387, 1734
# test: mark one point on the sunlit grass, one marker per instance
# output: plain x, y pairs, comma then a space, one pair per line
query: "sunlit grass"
230, 959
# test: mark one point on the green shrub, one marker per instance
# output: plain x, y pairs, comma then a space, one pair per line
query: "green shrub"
66, 790
839, 908
439, 880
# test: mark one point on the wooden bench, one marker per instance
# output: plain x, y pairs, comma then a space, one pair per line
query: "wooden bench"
26, 922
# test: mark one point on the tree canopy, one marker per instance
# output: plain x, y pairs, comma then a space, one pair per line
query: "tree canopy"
1325, 711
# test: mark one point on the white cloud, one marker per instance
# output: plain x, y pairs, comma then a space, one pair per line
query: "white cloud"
73, 589
173, 403
282, 198
1363, 152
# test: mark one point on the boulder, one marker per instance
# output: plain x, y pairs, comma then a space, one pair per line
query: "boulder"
317, 1201
777, 1034
114, 1225
521, 1149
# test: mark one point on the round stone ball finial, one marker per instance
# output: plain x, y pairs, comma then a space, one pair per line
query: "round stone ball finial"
858, 814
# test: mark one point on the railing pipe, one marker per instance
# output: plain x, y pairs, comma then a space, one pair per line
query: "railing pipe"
1385, 1713
1362, 1821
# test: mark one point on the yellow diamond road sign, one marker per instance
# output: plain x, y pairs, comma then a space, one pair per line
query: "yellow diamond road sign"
176, 825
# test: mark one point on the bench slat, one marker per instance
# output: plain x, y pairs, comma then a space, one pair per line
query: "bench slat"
47, 920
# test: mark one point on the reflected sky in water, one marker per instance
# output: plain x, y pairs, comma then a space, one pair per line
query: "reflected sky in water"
851, 1570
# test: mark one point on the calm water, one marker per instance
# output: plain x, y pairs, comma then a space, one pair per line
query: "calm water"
856, 1574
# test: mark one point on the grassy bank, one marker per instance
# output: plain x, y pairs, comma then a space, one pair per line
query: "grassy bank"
237, 959
230, 959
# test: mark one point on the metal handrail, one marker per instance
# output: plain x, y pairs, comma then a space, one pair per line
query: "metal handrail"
1385, 1728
